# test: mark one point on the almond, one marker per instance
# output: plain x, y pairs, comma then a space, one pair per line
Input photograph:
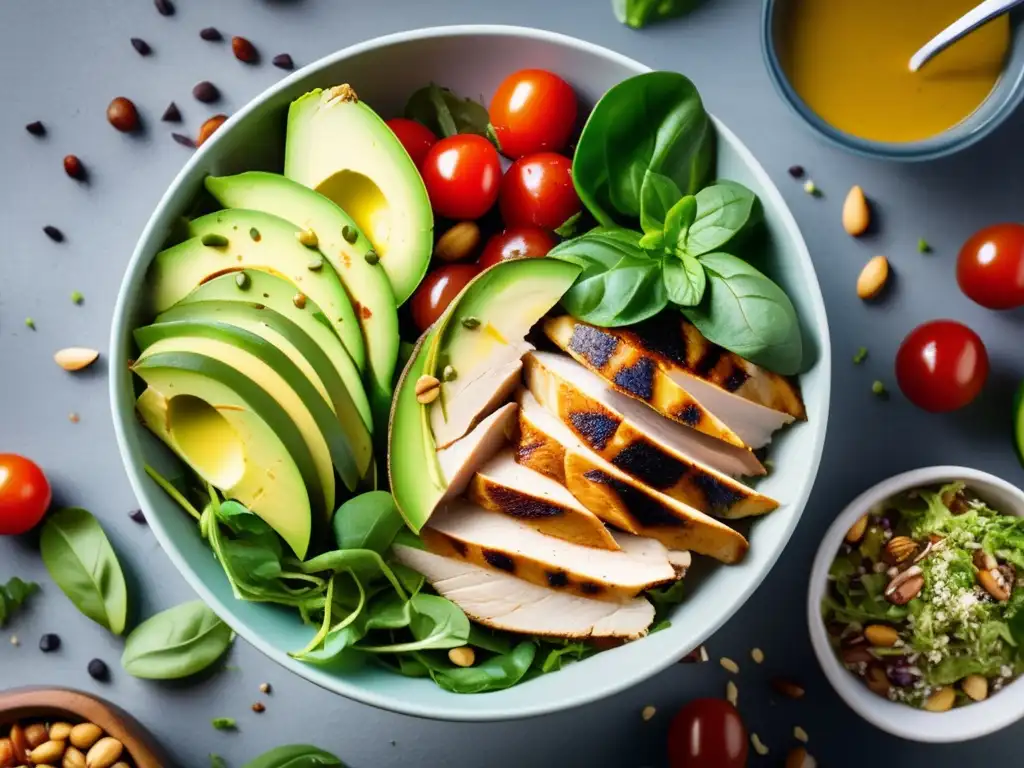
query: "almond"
207, 129
993, 582
877, 680
76, 358
856, 532
941, 701
881, 636
856, 212
799, 758
873, 278
459, 242
905, 586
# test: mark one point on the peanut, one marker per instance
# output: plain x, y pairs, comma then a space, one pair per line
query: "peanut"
47, 752
428, 388
73, 758
104, 753
84, 735
60, 731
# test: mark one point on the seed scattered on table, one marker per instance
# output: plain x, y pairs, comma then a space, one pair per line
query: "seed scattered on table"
98, 670
54, 234
185, 141
224, 723
206, 92
265, 688
800, 734
244, 50
811, 188
77, 297
788, 688
796, 171
137, 516
879, 390
757, 655
122, 114
73, 167
141, 46
74, 418
164, 7
30, 323
732, 693
172, 114
211, 34
36, 128
283, 61
207, 129
759, 745
648, 712
861, 356
697, 656
15, 641
259, 707
729, 665
922, 246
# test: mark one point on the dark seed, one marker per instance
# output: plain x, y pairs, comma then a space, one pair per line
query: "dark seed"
98, 670
141, 46
244, 50
54, 234
299, 300
36, 128
242, 280
164, 7
796, 171
372, 258
259, 707
283, 61
206, 92
214, 240
255, 235
211, 34
185, 141
123, 115
137, 516
73, 167
49, 642
349, 233
172, 114
470, 322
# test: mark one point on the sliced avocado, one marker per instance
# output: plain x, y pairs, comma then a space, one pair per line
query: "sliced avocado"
341, 148
276, 293
363, 277
235, 436
250, 239
1018, 422
299, 348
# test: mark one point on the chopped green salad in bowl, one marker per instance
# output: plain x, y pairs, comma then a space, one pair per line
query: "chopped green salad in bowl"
916, 603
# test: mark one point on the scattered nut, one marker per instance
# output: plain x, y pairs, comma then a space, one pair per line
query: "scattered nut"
47, 752
428, 388
905, 586
757, 655
244, 50
799, 758
856, 213
759, 745
881, 636
207, 129
899, 549
35, 735
104, 753
73, 758
463, 656
172, 114
122, 114
732, 693
84, 735
73, 167
788, 688
729, 665
206, 92
76, 358
648, 712
141, 46
459, 242
259, 707
283, 61
873, 278
264, 687
36, 128
60, 731
856, 532
211, 34
975, 686
942, 700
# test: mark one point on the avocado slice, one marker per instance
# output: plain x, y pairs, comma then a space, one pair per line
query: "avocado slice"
253, 437
299, 348
276, 293
341, 148
254, 240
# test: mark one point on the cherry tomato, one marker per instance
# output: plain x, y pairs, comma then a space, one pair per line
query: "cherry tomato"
990, 268
707, 733
533, 110
532, 242
462, 174
437, 291
941, 366
415, 137
538, 190
24, 494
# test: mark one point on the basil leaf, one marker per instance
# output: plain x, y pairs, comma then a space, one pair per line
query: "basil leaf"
446, 114
640, 13
176, 643
657, 195
745, 312
295, 756
653, 241
723, 209
368, 521
678, 221
13, 595
685, 280
78, 555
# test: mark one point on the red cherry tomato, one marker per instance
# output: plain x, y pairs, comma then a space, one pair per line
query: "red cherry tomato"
990, 268
941, 366
415, 137
532, 242
437, 291
462, 174
707, 733
538, 190
533, 110
24, 494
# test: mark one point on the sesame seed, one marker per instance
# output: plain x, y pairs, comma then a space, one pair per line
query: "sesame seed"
729, 665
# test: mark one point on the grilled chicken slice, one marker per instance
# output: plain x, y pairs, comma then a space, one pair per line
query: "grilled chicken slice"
497, 600
548, 446
464, 531
629, 371
752, 401
504, 486
633, 437
460, 461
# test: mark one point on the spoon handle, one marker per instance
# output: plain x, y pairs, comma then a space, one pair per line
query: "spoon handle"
984, 12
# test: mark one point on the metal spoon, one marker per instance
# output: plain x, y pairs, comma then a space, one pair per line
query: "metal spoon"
966, 24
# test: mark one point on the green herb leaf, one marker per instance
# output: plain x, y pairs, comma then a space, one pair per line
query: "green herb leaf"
446, 114
861, 356
224, 723
653, 241
658, 194
677, 223
216, 761
723, 210
745, 312
295, 756
82, 563
569, 226
493, 674
176, 643
368, 521
435, 623
922, 246
13, 595
685, 280
640, 13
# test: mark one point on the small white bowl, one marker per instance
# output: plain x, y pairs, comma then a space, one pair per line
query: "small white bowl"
963, 723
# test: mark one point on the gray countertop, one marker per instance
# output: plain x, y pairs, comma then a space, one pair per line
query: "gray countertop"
65, 60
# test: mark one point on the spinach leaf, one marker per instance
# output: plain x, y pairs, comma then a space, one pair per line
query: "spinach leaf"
640, 13
295, 756
435, 623
666, 598
745, 312
568, 227
658, 194
723, 209
368, 521
493, 674
447, 114
216, 761
78, 555
556, 657
651, 122
176, 643
685, 281
13, 595
678, 221
489, 640
364, 564
332, 638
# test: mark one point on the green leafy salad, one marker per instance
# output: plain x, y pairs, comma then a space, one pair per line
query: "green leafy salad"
923, 601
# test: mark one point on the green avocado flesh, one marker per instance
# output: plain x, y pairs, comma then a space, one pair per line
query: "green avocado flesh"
1018, 422
235, 436
366, 283
341, 148
276, 294
253, 240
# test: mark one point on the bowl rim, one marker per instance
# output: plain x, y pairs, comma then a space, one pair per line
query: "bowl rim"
962, 724
941, 145
636, 673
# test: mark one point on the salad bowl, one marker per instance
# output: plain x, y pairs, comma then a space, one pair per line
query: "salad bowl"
386, 71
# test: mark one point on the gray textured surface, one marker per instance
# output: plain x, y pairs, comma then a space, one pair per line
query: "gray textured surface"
64, 61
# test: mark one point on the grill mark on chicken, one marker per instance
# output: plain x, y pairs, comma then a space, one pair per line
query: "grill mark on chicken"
649, 464
690, 415
720, 497
593, 344
499, 560
662, 338
458, 546
557, 579
706, 363
591, 588
646, 510
737, 378
525, 450
637, 379
521, 506
594, 427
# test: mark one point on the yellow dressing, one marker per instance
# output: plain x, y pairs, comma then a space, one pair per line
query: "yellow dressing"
848, 61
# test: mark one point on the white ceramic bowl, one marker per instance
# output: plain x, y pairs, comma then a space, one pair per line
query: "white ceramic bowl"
472, 60
963, 723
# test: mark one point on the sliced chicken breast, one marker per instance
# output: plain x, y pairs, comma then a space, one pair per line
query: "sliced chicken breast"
504, 486
460, 460
547, 445
633, 437
466, 532
497, 600
629, 371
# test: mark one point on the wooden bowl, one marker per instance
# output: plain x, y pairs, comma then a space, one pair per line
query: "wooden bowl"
75, 706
